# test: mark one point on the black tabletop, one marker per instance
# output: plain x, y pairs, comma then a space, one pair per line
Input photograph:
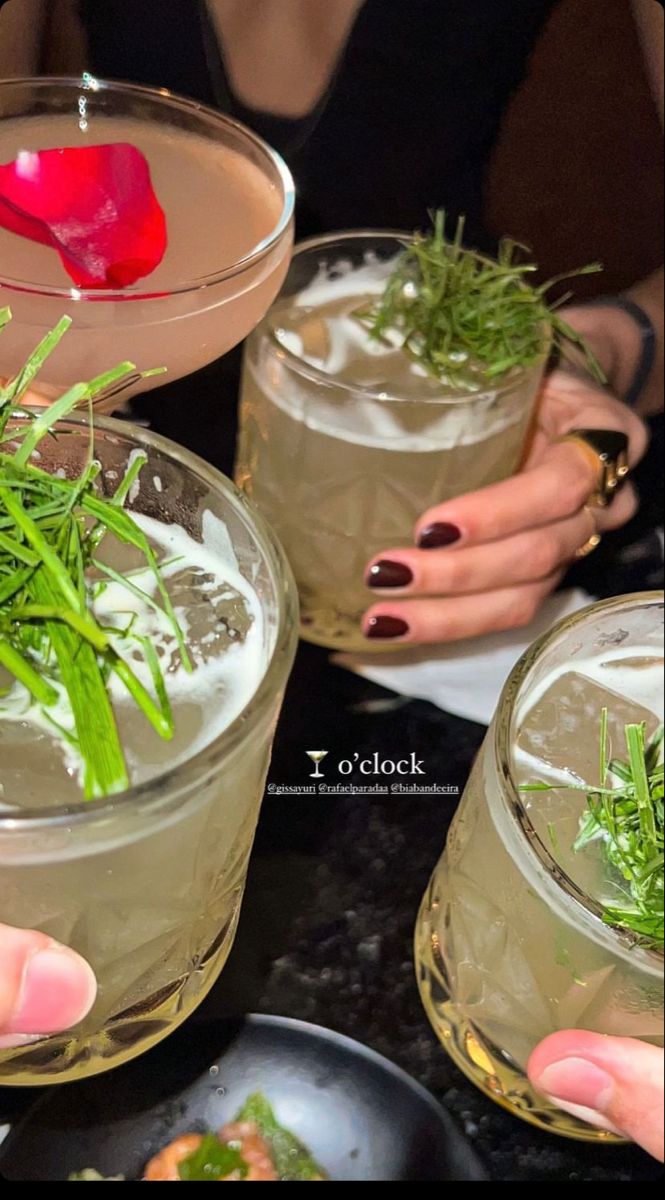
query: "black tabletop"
335, 882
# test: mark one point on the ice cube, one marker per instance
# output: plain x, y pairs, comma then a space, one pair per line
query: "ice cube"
562, 730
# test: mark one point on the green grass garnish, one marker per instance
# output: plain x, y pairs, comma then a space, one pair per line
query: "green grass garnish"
50, 532
467, 319
627, 818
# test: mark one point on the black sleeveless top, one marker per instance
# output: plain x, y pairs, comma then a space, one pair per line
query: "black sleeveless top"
407, 125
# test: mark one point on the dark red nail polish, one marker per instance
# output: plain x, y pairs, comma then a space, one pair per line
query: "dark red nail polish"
386, 627
387, 574
434, 537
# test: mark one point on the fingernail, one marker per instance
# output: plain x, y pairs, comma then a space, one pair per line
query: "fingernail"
58, 989
578, 1082
386, 627
434, 537
18, 1040
387, 574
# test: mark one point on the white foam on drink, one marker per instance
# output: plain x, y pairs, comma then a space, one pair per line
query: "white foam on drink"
356, 414
221, 686
339, 280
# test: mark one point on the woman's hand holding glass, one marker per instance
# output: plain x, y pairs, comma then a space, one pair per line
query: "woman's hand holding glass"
486, 561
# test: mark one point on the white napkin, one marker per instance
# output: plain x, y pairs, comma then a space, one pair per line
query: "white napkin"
464, 678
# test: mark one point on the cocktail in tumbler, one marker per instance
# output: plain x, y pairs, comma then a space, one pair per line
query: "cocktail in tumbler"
511, 944
346, 440
147, 884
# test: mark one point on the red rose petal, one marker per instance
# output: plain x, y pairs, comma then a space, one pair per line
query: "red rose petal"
95, 205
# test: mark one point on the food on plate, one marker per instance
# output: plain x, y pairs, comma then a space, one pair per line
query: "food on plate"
253, 1148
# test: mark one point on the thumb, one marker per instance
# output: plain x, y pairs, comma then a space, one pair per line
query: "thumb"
611, 1082
44, 987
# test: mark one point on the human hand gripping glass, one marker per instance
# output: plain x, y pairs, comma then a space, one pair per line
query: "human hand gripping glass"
44, 987
611, 1082
504, 548
614, 1083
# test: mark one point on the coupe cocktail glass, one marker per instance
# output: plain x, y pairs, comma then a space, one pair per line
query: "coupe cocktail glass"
345, 441
228, 200
147, 885
510, 941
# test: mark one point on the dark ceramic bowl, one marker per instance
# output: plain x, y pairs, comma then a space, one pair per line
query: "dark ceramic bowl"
362, 1117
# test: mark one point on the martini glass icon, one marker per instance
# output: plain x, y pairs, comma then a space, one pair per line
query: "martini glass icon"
316, 756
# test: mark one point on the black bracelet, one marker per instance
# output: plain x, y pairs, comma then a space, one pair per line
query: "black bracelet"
649, 340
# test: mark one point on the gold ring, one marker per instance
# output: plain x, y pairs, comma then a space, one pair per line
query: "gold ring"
607, 451
591, 543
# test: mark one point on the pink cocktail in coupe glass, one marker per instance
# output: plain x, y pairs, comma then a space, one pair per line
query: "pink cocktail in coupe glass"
228, 200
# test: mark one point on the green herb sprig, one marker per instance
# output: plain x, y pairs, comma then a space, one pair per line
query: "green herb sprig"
292, 1160
627, 817
50, 532
212, 1161
468, 319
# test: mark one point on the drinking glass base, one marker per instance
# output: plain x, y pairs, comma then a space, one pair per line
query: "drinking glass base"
499, 1078
74, 1055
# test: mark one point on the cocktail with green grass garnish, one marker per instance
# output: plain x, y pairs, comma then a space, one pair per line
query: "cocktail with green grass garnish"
147, 626
391, 374
546, 910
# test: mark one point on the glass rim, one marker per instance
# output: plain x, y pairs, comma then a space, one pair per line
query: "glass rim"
587, 908
179, 103
318, 375
191, 771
